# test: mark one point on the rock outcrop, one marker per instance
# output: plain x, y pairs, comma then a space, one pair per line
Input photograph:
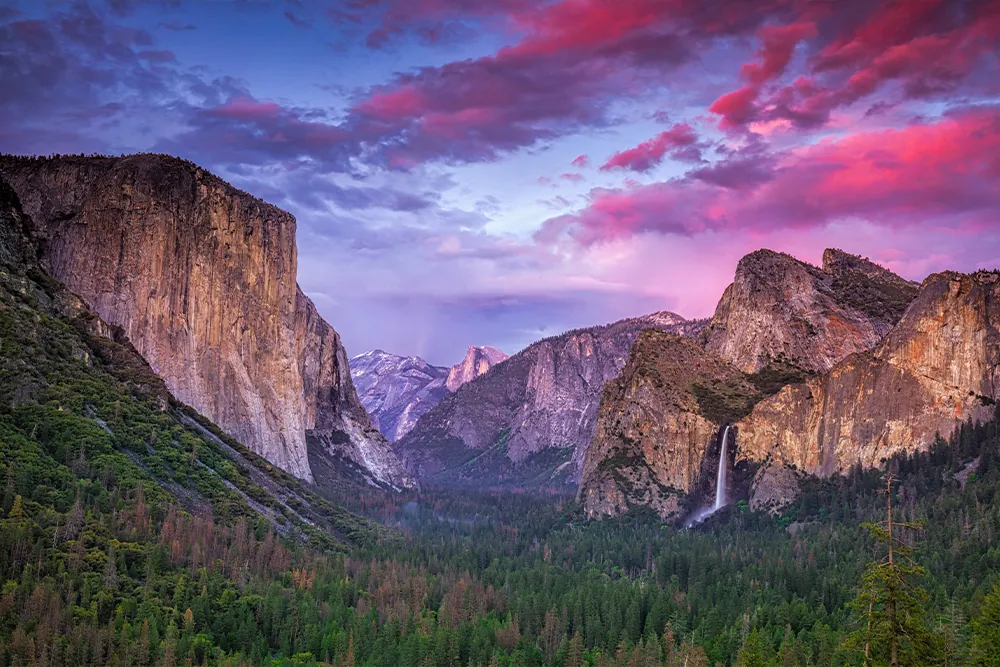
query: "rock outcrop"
656, 425
477, 361
201, 278
529, 419
397, 390
782, 312
939, 366
64, 370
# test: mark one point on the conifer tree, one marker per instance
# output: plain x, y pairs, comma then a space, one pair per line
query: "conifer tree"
986, 631
753, 653
17, 509
574, 655
893, 629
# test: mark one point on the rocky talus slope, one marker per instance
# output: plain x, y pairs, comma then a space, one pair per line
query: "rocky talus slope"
940, 365
397, 390
201, 278
529, 419
782, 311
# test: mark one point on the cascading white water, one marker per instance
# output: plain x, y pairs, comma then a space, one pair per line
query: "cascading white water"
720, 478
720, 484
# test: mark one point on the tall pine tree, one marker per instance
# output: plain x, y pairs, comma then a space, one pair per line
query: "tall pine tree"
893, 629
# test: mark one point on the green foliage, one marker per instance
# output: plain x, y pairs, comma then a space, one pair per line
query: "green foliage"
890, 607
777, 373
985, 648
724, 402
883, 300
134, 532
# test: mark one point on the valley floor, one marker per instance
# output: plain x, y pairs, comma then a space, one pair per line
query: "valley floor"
489, 578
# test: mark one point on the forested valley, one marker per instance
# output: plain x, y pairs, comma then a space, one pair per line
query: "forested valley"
96, 571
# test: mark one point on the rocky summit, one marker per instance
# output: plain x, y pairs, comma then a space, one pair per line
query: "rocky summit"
201, 279
477, 361
782, 312
528, 421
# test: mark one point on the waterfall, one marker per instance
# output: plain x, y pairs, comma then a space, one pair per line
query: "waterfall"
720, 485
720, 478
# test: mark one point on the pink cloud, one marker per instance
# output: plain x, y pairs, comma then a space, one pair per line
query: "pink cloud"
573, 58
392, 104
581, 161
777, 46
943, 174
247, 109
680, 140
737, 107
928, 47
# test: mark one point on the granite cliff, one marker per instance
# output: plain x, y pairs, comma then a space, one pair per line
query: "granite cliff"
780, 321
938, 366
528, 420
477, 361
397, 390
81, 408
783, 312
657, 422
201, 279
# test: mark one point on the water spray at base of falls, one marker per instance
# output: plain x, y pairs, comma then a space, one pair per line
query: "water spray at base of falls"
720, 485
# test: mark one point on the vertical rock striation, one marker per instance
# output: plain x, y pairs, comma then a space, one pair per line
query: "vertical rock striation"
201, 278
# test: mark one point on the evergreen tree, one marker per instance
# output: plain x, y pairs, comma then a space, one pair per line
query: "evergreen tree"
17, 509
986, 631
574, 656
753, 653
889, 606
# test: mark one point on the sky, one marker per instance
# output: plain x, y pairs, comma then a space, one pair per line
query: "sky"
490, 172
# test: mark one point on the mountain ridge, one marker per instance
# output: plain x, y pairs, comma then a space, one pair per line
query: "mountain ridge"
528, 419
781, 322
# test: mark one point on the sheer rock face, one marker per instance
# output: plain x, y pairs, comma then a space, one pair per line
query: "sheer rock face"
16, 245
653, 432
939, 366
397, 390
533, 412
779, 308
478, 360
201, 278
